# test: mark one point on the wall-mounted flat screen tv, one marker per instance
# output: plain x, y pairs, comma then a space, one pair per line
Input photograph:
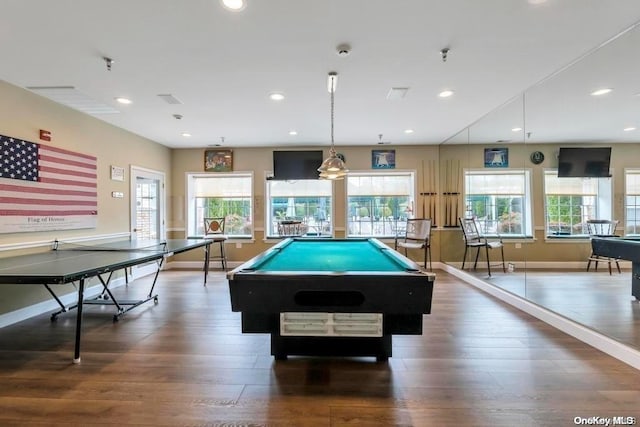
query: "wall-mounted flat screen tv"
592, 162
294, 165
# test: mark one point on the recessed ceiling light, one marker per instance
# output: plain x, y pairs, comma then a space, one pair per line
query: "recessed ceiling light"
601, 91
629, 129
445, 93
408, 131
234, 5
186, 134
293, 132
122, 100
516, 129
276, 96
536, 1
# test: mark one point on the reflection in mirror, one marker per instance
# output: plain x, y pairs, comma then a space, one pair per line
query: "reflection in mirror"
543, 219
564, 111
496, 190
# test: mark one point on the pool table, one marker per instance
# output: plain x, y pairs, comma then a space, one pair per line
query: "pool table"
331, 297
621, 248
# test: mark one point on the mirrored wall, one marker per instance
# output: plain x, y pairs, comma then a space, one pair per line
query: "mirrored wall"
507, 163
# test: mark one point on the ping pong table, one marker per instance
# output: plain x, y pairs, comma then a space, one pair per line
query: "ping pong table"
68, 263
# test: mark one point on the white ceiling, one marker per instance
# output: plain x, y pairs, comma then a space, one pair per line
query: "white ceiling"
222, 65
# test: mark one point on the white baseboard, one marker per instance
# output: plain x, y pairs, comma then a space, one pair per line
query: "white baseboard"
538, 265
37, 309
577, 265
197, 265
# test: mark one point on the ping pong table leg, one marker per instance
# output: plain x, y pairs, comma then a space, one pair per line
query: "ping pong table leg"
105, 286
207, 257
63, 308
155, 278
76, 354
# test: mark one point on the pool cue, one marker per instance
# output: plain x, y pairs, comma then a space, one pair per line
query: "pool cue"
434, 186
450, 191
455, 190
424, 192
429, 214
451, 195
429, 190
449, 204
445, 195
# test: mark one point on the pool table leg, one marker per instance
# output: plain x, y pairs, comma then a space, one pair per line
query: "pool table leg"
378, 347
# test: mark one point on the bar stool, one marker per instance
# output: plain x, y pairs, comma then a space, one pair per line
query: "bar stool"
214, 230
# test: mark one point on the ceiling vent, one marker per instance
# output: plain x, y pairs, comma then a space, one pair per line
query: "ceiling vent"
397, 92
169, 99
71, 97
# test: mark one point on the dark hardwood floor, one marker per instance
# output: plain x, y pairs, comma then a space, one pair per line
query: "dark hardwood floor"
184, 362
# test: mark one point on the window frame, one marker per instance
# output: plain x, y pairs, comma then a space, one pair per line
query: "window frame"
626, 226
272, 234
191, 226
527, 205
393, 227
603, 205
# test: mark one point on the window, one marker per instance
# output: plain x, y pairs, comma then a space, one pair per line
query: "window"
570, 202
378, 201
301, 207
500, 200
632, 202
220, 195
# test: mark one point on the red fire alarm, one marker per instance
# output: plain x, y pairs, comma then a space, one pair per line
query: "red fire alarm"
45, 135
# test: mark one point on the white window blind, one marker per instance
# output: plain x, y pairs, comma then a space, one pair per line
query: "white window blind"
632, 182
301, 188
380, 185
496, 183
570, 186
222, 186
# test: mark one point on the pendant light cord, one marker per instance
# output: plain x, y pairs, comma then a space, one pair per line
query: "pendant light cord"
332, 114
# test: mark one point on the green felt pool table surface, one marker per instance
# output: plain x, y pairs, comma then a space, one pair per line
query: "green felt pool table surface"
332, 255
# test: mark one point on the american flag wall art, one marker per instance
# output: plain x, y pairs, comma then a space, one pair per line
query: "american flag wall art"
43, 187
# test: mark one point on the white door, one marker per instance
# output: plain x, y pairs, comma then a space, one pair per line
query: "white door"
147, 211
147, 204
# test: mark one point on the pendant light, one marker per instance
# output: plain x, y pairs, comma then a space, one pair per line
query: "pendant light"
333, 167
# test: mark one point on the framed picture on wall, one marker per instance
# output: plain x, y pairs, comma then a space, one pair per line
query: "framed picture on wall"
496, 157
218, 160
383, 159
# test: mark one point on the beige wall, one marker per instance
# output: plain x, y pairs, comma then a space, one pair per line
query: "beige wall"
22, 115
447, 242
260, 160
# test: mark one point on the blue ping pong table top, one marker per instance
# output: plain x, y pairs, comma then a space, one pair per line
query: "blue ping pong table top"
87, 260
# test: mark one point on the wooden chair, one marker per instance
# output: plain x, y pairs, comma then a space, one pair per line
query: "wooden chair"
602, 228
214, 230
473, 238
417, 235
